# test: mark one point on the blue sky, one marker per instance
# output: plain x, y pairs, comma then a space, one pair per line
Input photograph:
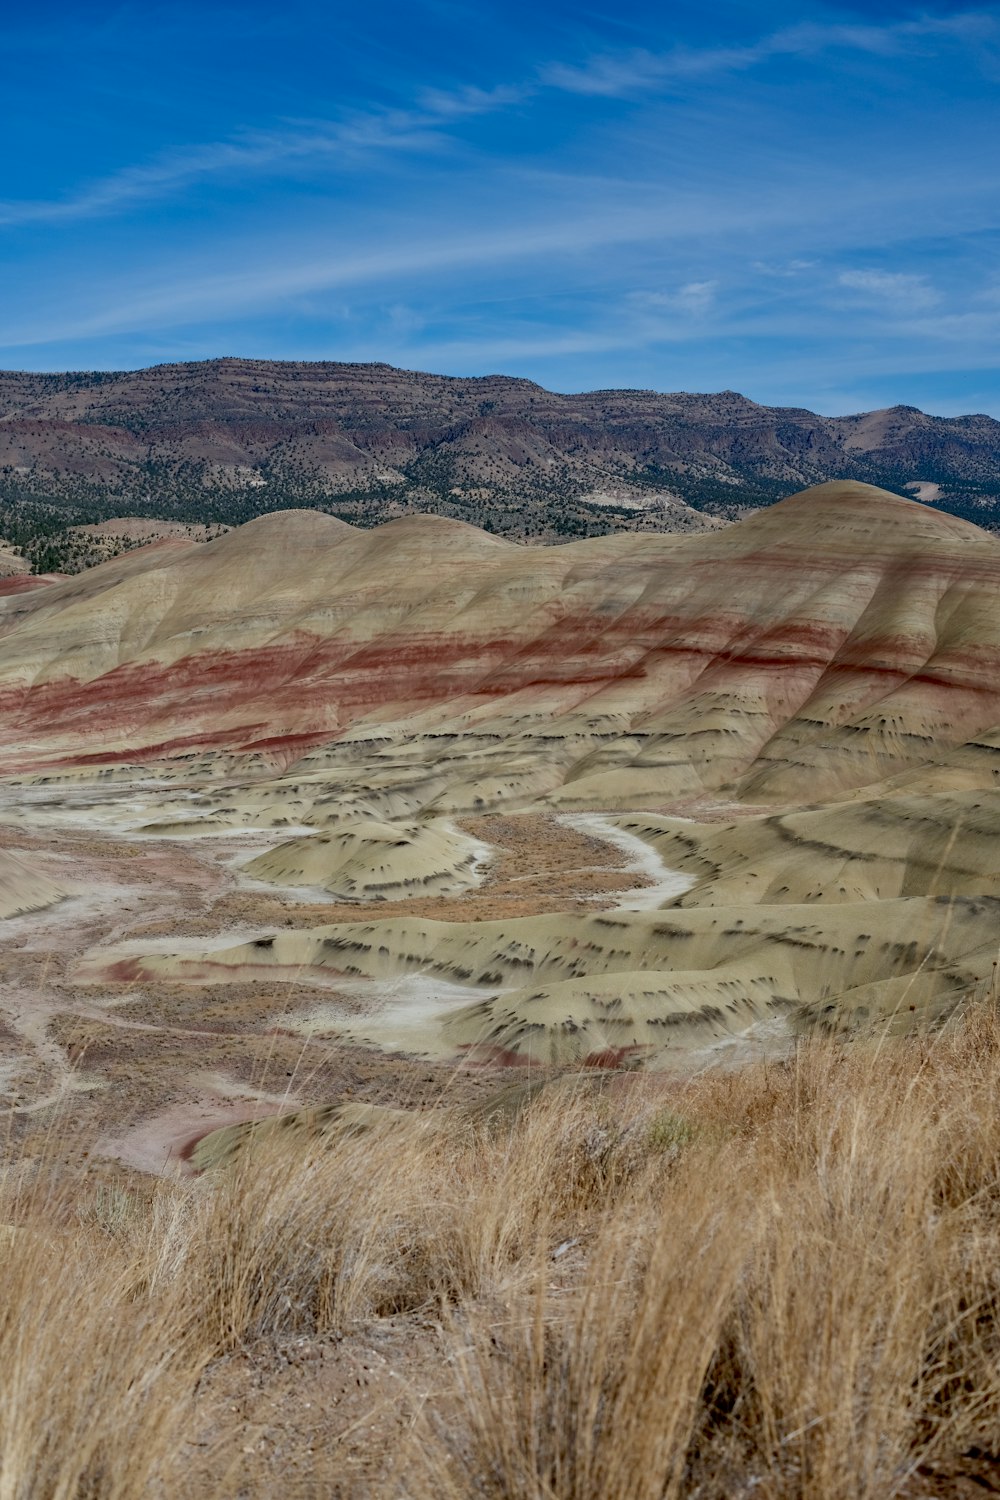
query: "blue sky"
800, 203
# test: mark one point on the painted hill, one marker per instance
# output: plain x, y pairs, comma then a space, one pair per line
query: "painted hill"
832, 641
226, 440
799, 713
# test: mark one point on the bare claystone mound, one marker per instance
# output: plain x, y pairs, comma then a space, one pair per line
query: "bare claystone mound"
876, 849
369, 860
23, 888
619, 987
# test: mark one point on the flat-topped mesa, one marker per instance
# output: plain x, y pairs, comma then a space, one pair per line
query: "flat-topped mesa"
843, 636
377, 438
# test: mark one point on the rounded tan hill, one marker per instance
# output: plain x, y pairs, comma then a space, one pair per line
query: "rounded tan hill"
371, 861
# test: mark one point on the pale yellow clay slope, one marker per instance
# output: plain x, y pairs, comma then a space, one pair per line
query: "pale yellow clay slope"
906, 845
22, 888
620, 985
372, 861
331, 1121
335, 1121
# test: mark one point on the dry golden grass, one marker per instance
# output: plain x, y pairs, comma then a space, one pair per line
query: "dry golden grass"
779, 1282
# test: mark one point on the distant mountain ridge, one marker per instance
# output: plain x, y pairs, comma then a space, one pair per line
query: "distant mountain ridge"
224, 440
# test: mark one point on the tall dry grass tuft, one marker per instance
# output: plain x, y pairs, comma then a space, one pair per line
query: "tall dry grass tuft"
830, 1328
804, 1305
323, 1234
595, 1388
782, 1281
96, 1389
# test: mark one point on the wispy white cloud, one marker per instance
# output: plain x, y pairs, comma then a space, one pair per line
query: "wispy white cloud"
425, 125
786, 270
761, 232
296, 143
639, 70
900, 289
446, 104
642, 320
252, 152
691, 299
492, 350
401, 260
183, 293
